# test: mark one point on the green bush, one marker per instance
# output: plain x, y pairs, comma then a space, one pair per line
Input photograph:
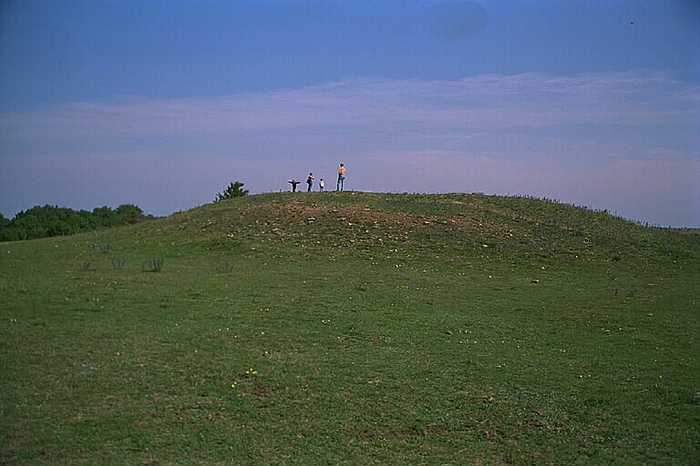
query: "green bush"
234, 189
49, 220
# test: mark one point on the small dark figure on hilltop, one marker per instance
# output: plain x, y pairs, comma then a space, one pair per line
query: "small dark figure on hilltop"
310, 182
294, 184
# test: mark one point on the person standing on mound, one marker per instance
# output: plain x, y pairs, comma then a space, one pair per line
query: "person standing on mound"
310, 182
341, 177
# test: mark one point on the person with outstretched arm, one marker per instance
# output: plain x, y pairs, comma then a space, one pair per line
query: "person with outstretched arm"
341, 177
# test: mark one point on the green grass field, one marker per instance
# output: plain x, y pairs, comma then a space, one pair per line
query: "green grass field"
354, 328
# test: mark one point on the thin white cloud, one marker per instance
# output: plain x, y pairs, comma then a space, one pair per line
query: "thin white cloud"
481, 103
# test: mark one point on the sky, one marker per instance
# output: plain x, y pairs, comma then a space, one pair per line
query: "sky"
162, 103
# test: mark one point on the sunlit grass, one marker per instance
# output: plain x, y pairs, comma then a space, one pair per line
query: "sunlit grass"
354, 329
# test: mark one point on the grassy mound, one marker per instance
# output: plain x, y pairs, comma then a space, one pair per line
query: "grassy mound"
354, 328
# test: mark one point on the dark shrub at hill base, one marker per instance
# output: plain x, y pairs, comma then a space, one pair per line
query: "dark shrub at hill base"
42, 222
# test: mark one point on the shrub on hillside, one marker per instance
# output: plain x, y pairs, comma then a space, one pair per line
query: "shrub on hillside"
233, 190
128, 214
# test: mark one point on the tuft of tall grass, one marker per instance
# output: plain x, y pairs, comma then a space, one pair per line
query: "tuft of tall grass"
102, 248
118, 263
88, 266
153, 265
226, 266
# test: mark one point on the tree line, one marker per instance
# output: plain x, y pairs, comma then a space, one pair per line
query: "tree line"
50, 220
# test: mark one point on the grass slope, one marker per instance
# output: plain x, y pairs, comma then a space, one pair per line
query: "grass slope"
357, 329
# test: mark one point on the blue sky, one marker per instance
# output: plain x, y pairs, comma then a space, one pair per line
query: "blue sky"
162, 103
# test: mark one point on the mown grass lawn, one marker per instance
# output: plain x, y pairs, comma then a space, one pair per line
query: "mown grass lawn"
354, 329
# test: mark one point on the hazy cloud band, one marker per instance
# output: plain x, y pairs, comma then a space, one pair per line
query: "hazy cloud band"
629, 142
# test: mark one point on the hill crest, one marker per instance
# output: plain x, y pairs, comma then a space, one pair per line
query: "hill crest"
461, 224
